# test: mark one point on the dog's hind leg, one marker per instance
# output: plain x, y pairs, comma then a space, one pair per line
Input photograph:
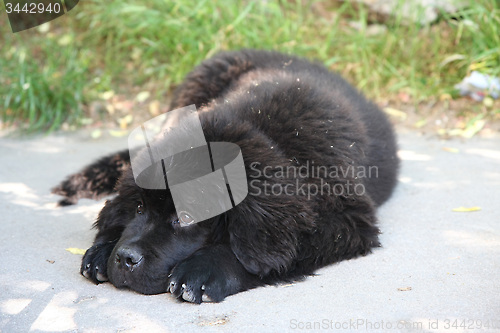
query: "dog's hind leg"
94, 181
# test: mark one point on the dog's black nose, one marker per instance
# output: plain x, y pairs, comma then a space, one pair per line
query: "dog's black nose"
128, 257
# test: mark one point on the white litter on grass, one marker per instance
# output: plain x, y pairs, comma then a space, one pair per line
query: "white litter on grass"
479, 85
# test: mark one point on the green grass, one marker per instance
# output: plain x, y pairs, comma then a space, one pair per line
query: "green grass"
48, 77
42, 94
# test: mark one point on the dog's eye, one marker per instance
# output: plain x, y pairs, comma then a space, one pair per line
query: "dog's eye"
140, 208
185, 219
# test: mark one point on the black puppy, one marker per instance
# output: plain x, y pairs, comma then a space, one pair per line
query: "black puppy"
319, 158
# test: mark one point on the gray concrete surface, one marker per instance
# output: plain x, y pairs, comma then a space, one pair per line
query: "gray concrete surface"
450, 260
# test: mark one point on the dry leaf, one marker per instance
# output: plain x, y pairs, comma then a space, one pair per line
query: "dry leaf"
451, 58
75, 250
125, 121
142, 96
421, 123
154, 108
488, 102
44, 28
451, 150
117, 134
111, 109
65, 40
445, 97
466, 209
395, 113
475, 127
96, 134
468, 130
107, 94
86, 121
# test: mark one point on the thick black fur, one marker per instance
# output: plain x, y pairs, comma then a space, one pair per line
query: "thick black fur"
95, 181
282, 111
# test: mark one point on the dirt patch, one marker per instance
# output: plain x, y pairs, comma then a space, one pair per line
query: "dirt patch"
462, 117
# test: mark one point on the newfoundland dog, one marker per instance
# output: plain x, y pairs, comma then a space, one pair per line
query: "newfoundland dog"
319, 158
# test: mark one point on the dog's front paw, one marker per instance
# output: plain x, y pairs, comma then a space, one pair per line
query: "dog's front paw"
95, 262
210, 275
189, 281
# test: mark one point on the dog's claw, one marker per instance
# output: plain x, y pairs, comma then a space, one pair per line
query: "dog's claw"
101, 277
170, 288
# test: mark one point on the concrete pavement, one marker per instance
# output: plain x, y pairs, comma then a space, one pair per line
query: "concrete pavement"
438, 269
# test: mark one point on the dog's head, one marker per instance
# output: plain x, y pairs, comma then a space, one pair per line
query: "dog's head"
152, 241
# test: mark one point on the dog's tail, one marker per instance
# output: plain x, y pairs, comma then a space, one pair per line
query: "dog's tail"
95, 180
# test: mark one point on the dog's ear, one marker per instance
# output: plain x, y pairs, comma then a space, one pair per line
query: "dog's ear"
111, 215
264, 231
118, 211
